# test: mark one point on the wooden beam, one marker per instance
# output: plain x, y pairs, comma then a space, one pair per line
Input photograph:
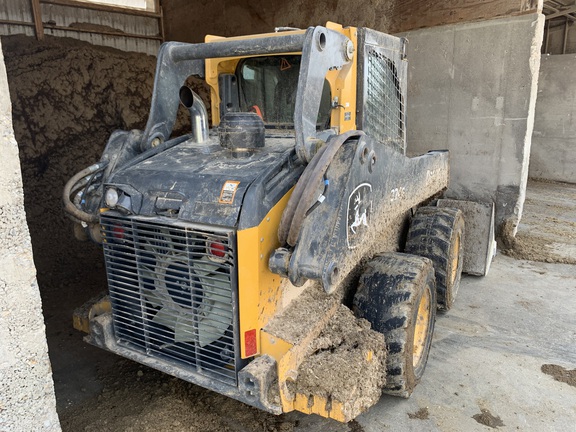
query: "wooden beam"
547, 25
565, 40
158, 8
102, 32
553, 9
37, 14
413, 14
562, 12
101, 7
17, 23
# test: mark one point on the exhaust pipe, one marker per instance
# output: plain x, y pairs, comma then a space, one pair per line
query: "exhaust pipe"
198, 113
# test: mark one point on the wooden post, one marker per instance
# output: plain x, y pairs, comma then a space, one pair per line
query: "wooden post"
159, 10
547, 25
565, 41
37, 13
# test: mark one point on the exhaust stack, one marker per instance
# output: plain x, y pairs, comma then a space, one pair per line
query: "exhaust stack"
198, 113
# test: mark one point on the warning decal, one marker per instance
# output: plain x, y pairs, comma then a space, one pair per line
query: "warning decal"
284, 64
228, 192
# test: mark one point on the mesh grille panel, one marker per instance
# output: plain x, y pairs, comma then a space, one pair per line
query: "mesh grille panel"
172, 293
384, 107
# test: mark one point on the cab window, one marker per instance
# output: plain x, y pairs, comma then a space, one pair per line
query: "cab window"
267, 86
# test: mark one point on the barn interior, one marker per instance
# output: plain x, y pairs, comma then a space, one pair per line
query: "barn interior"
491, 81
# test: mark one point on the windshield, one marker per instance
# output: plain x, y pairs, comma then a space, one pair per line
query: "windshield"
268, 87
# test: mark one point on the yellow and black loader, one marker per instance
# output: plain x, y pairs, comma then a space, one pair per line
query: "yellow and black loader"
249, 257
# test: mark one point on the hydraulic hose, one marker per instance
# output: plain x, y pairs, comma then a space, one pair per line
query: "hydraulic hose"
312, 181
71, 185
80, 179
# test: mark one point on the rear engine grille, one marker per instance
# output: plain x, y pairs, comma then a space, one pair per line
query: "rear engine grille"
173, 293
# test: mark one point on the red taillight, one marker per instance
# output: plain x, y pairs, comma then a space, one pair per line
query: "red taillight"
250, 343
217, 249
118, 232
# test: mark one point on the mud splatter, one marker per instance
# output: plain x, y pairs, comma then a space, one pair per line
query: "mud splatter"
421, 414
355, 426
560, 374
488, 419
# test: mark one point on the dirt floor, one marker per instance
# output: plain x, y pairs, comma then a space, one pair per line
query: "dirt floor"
69, 96
547, 230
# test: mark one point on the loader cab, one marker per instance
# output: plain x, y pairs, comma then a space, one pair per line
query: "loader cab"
268, 85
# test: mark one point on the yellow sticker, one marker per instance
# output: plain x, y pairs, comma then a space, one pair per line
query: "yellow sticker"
228, 191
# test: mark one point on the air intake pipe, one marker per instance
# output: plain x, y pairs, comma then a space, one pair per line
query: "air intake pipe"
198, 113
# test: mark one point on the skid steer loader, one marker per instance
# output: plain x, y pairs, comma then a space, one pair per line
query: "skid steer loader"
235, 255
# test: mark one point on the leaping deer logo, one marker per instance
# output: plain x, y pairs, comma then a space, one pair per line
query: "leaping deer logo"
359, 208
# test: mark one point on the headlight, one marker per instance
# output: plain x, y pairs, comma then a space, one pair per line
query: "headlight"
111, 197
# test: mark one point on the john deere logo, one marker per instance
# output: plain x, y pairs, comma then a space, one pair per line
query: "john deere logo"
359, 211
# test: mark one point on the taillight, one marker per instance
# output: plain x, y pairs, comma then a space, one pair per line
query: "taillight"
217, 250
118, 232
250, 343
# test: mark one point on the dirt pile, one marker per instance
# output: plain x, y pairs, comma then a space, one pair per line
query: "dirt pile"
67, 97
546, 231
347, 364
534, 248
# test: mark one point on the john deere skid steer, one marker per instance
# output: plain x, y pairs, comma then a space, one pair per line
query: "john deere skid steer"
287, 257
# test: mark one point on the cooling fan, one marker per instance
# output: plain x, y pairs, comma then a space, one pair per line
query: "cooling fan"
185, 293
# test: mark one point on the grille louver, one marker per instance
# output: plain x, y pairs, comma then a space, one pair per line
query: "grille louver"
172, 293
384, 107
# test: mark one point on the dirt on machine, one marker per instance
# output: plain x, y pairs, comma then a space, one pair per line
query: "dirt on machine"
290, 256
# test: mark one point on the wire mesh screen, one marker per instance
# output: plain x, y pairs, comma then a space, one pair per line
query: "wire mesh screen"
172, 294
383, 105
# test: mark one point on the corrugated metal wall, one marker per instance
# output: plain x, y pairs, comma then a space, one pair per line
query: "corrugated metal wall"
20, 11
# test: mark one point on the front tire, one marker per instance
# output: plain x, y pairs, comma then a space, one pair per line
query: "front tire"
438, 234
397, 295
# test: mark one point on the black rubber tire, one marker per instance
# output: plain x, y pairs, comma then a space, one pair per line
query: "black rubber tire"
390, 291
438, 234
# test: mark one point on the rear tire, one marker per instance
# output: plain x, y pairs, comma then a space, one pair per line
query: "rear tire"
438, 234
397, 295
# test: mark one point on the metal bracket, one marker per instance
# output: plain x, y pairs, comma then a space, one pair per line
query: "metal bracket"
323, 50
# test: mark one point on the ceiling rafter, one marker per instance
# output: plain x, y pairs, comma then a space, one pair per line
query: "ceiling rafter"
554, 9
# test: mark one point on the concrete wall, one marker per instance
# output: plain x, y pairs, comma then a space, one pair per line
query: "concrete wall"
553, 155
472, 90
27, 401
